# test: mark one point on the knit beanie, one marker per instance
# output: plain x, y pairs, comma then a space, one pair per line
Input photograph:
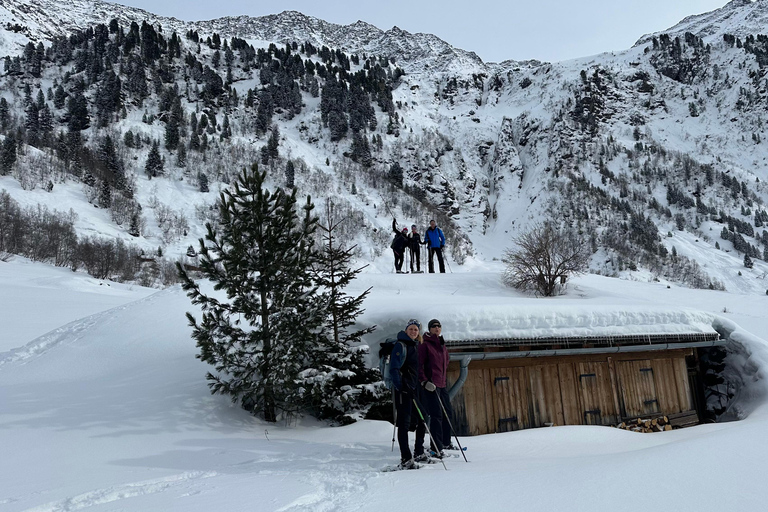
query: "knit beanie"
415, 322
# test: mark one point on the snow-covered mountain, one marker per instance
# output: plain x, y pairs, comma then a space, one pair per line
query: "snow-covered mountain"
738, 17
45, 19
656, 155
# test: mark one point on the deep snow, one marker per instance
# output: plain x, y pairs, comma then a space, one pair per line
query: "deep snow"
110, 411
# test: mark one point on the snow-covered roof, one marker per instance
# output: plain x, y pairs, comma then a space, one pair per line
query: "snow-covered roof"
556, 321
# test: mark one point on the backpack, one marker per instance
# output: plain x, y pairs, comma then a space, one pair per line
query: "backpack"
385, 353
392, 246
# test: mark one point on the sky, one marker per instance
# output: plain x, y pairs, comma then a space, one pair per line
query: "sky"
495, 30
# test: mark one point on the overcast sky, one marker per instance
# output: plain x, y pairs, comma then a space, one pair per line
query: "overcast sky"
494, 29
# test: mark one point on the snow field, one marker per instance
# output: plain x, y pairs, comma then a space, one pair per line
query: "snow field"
110, 411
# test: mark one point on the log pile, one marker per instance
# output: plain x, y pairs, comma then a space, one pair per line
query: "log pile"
659, 424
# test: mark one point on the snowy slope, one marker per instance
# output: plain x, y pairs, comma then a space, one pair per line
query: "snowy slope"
116, 415
495, 148
63, 295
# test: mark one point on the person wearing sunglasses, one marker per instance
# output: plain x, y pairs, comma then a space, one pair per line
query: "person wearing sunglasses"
433, 367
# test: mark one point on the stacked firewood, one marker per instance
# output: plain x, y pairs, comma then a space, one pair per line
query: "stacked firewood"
659, 424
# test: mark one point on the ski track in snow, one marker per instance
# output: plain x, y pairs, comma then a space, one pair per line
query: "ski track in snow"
121, 492
68, 333
333, 485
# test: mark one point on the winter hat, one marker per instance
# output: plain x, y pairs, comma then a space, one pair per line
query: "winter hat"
433, 323
413, 226
415, 322
405, 230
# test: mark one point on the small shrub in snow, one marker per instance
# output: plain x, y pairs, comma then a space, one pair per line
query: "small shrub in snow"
545, 257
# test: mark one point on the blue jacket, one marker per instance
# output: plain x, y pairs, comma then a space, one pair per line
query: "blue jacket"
404, 364
434, 237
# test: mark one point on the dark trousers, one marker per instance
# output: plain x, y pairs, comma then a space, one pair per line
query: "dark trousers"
443, 394
439, 252
416, 258
404, 406
398, 260
436, 424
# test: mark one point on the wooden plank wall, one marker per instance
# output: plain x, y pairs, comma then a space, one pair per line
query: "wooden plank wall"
513, 394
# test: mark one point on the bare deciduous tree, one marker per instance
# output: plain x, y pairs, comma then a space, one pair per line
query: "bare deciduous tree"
545, 257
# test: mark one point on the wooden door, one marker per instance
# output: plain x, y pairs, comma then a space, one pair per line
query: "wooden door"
638, 388
512, 399
672, 385
545, 395
570, 392
597, 400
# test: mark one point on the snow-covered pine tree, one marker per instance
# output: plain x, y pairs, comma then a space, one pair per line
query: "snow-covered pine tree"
341, 383
154, 165
260, 336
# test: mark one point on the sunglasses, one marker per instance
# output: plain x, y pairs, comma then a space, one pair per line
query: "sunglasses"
435, 325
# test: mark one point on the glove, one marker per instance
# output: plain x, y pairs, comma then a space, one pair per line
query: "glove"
429, 386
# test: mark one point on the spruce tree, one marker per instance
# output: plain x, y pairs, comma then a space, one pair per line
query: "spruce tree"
273, 143
105, 195
340, 382
46, 121
135, 226
59, 97
114, 165
8, 154
32, 124
290, 174
154, 165
181, 156
202, 182
260, 338
5, 116
77, 114
172, 133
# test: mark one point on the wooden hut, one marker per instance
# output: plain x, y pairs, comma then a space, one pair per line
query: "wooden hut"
499, 385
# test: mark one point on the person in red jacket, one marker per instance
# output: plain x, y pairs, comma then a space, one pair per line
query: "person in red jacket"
433, 368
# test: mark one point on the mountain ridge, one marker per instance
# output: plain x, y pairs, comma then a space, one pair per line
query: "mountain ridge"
287, 26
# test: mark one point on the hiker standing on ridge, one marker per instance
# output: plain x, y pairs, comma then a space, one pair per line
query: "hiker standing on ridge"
404, 368
398, 245
433, 368
414, 244
435, 240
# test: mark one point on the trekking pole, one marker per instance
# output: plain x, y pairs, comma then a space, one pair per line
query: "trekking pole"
445, 258
431, 439
445, 413
394, 416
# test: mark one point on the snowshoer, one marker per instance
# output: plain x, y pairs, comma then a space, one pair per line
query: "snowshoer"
435, 240
398, 245
414, 244
433, 368
404, 364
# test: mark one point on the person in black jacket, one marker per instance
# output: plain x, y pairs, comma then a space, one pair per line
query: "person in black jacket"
398, 245
414, 244
404, 372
